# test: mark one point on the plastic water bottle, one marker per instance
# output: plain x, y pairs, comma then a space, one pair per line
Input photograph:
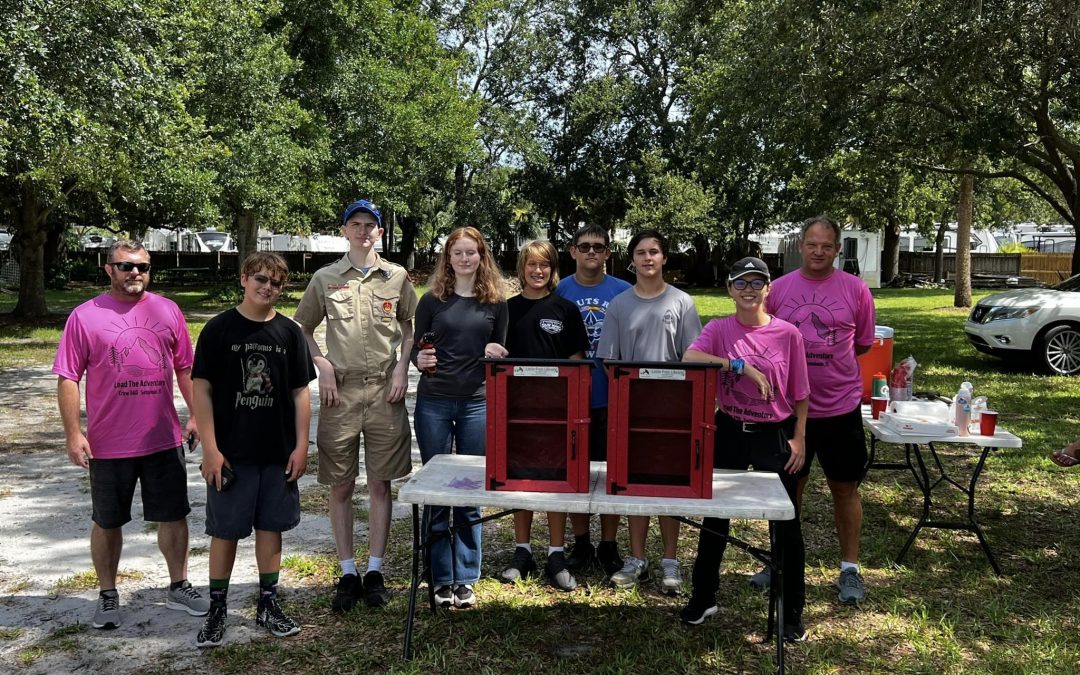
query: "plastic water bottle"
962, 402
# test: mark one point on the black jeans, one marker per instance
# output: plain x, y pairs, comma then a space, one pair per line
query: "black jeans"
765, 450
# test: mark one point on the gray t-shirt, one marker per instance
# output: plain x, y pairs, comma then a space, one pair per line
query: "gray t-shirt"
656, 329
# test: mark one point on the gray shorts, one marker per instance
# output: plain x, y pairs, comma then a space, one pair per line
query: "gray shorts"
259, 498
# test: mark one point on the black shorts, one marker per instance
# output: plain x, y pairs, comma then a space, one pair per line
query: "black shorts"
259, 498
598, 434
163, 477
839, 444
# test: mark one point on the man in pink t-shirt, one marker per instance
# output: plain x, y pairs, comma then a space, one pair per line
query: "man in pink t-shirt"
129, 343
834, 311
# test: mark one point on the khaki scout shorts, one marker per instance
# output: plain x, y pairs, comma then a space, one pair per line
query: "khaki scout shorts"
362, 408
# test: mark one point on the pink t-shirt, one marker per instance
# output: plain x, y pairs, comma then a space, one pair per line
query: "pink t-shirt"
776, 349
833, 314
128, 352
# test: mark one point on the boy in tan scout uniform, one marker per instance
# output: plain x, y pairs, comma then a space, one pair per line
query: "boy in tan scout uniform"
368, 304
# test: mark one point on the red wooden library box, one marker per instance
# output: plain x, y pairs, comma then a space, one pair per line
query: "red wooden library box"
538, 424
661, 426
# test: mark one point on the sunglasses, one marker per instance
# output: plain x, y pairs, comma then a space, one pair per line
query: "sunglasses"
128, 266
263, 279
585, 248
756, 284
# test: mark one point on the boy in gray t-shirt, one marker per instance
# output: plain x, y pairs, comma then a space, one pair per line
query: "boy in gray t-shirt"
652, 321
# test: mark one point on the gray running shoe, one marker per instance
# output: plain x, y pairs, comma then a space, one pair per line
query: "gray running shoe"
187, 599
213, 629
852, 589
671, 583
274, 620
633, 571
762, 580
107, 615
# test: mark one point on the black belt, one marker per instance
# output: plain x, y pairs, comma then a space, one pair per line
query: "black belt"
757, 427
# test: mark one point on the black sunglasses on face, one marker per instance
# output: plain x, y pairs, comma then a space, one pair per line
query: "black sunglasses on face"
756, 284
584, 248
128, 266
263, 279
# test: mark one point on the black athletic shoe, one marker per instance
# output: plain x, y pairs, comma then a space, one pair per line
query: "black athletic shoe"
375, 593
582, 557
607, 554
349, 591
795, 631
522, 566
697, 610
274, 620
557, 573
213, 629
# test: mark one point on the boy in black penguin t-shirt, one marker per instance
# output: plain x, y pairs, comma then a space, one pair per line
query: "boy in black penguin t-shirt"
251, 374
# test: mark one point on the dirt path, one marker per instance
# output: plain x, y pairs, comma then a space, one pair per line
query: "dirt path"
44, 545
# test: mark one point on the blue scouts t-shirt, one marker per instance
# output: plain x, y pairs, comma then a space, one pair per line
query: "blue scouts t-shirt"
592, 302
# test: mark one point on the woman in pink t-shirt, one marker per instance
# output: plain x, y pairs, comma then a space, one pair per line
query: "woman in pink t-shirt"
763, 396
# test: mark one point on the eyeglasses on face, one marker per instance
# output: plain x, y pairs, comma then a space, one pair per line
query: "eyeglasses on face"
756, 284
585, 248
263, 279
126, 266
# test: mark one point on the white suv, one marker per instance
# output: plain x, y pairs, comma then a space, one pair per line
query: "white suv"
1041, 323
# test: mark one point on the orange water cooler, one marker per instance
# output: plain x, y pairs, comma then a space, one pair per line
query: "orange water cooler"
878, 360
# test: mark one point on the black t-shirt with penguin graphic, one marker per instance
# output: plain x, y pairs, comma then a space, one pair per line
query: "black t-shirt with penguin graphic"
253, 367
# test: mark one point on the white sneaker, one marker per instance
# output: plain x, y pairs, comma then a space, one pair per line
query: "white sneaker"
633, 571
671, 583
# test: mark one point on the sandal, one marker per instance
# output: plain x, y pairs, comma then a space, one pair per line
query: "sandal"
1066, 457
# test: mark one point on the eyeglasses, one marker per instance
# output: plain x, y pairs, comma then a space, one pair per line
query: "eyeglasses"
263, 279
126, 266
756, 284
585, 248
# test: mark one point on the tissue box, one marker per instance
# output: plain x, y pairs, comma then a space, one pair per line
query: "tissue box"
917, 426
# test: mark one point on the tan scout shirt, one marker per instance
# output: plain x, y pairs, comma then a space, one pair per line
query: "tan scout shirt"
363, 314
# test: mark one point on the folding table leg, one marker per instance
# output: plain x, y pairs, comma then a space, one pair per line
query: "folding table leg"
415, 584
778, 561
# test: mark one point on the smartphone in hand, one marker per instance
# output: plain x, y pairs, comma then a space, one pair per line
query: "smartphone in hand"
228, 477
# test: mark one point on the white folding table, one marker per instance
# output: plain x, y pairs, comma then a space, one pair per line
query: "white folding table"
916, 462
458, 480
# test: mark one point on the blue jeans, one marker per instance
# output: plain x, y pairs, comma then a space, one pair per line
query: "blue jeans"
462, 423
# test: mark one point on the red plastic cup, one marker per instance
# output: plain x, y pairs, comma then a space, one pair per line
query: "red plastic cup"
988, 423
877, 405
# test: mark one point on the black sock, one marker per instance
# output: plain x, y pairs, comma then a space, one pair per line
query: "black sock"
177, 584
581, 539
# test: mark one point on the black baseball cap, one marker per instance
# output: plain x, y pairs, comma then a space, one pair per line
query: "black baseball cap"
749, 265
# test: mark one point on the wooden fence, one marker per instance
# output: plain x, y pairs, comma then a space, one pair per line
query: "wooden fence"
1049, 268
922, 262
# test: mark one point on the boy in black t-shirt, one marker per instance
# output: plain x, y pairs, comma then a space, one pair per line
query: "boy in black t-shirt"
542, 326
251, 374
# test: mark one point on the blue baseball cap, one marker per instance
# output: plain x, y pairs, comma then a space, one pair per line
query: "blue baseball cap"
361, 205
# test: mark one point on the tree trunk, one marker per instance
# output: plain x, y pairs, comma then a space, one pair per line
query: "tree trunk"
246, 226
962, 296
939, 249
30, 221
409, 227
890, 250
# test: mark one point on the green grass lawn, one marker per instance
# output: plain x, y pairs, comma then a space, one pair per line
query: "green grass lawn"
944, 611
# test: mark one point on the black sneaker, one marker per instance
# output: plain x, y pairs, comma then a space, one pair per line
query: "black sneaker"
795, 631
582, 557
697, 610
444, 596
274, 620
375, 593
464, 598
213, 628
349, 591
557, 573
607, 554
522, 566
